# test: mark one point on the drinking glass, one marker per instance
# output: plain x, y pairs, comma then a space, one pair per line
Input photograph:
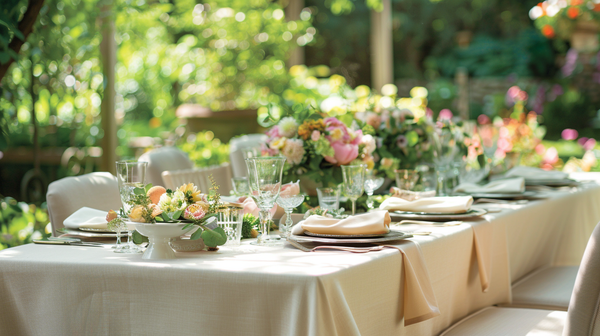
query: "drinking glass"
372, 183
264, 179
240, 186
406, 178
444, 152
329, 198
130, 174
288, 203
230, 218
354, 182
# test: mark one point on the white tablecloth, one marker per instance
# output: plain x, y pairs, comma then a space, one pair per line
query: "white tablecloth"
60, 290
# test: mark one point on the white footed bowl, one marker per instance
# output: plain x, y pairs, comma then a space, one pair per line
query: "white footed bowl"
159, 236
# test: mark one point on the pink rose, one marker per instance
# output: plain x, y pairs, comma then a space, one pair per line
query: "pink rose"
290, 189
344, 153
315, 136
274, 132
374, 120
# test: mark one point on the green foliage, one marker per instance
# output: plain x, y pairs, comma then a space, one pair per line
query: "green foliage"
214, 237
9, 20
205, 150
250, 222
573, 109
20, 223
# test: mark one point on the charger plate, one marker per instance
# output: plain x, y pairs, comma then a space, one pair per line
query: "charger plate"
551, 183
90, 234
390, 236
526, 194
472, 213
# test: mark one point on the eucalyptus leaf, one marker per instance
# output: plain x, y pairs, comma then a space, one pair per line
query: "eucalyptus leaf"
147, 187
138, 238
177, 214
214, 238
139, 191
196, 235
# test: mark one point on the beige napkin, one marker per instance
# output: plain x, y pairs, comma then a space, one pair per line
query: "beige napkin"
531, 173
419, 300
368, 223
512, 185
87, 218
410, 195
442, 204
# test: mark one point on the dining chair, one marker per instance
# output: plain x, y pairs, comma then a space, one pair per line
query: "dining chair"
95, 190
200, 177
241, 148
581, 319
162, 159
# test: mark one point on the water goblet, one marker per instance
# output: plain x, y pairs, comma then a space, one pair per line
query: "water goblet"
354, 182
240, 186
264, 179
288, 203
130, 175
372, 183
329, 198
406, 178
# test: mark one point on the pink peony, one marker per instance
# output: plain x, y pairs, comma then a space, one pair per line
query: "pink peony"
344, 153
293, 150
194, 212
290, 189
343, 141
250, 206
374, 120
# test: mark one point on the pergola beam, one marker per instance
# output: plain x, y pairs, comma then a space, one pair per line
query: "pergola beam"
382, 55
108, 51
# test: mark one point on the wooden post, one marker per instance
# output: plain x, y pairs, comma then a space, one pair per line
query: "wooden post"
292, 12
108, 51
382, 55
461, 79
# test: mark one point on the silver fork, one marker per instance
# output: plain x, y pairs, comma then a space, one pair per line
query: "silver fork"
341, 248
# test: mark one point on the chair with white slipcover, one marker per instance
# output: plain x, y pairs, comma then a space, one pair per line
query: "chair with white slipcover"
200, 177
581, 319
162, 159
95, 190
241, 148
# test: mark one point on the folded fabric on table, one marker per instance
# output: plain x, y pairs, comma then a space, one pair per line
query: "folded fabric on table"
511, 185
87, 218
375, 222
442, 204
532, 173
410, 195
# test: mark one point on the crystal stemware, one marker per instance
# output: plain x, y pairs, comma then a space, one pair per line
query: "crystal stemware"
354, 182
264, 179
288, 203
130, 174
240, 186
444, 152
406, 178
372, 183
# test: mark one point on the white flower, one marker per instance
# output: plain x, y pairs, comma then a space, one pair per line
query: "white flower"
170, 204
369, 142
288, 127
293, 151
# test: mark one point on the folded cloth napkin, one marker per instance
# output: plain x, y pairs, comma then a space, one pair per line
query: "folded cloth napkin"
512, 185
531, 173
369, 223
442, 204
410, 195
87, 218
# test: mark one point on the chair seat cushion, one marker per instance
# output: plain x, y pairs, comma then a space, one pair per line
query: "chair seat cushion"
548, 288
494, 321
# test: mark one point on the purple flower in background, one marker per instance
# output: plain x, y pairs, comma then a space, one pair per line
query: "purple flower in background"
570, 63
556, 91
569, 134
401, 141
540, 99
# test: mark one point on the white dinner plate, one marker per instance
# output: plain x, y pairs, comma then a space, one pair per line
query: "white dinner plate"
472, 213
526, 194
88, 234
345, 236
390, 236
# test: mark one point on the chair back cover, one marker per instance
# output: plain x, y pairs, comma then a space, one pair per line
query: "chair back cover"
162, 159
584, 308
199, 177
242, 147
67, 195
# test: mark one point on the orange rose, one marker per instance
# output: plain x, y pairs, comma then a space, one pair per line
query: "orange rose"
111, 215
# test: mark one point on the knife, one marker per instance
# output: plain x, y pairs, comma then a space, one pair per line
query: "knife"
66, 242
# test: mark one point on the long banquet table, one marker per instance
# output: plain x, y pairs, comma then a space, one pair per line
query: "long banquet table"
251, 290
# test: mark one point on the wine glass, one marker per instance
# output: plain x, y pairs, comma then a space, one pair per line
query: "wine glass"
240, 186
354, 182
130, 175
288, 203
264, 179
444, 151
406, 178
372, 183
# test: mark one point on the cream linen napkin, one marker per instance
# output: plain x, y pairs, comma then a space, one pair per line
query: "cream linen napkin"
531, 173
512, 185
368, 223
87, 218
443, 204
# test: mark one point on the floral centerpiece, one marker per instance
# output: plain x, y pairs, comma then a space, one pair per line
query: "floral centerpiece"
186, 204
315, 146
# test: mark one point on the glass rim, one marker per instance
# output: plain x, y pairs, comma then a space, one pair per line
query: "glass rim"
264, 158
130, 161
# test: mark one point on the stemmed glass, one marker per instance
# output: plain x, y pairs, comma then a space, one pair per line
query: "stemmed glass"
372, 183
354, 182
130, 174
444, 151
264, 179
289, 203
240, 186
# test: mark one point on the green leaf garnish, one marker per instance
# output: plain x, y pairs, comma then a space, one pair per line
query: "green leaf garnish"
214, 238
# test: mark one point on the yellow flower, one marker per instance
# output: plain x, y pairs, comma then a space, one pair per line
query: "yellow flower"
336, 134
279, 143
386, 162
137, 214
192, 194
202, 205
